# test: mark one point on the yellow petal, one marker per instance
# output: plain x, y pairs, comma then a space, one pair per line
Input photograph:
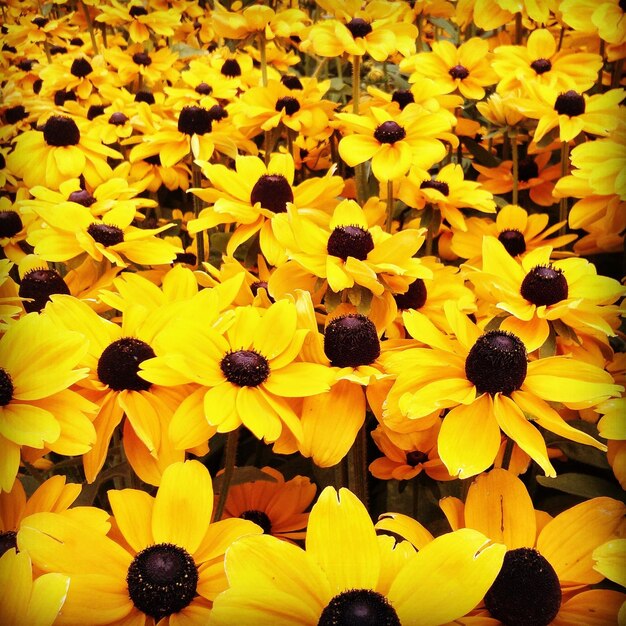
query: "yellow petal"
133, 513
596, 607
406, 527
48, 596
610, 560
15, 586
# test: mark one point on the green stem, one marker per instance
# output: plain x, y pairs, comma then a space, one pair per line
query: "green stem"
617, 74
230, 461
94, 43
390, 206
196, 182
601, 70
515, 156
263, 52
508, 453
359, 170
518, 29
357, 466
563, 209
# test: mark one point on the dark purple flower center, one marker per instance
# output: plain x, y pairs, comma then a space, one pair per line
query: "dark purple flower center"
204, 89
350, 241
414, 297
403, 97
6, 392
14, 114
513, 241
61, 131
458, 71
119, 363
39, 285
416, 457
118, 119
136, 11
359, 607
287, 104
106, 234
273, 191
544, 285
10, 223
259, 518
389, 132
142, 58
541, 66
231, 68
438, 185
81, 68
358, 27
291, 81
95, 110
245, 368
351, 341
570, 103
145, 96
82, 196
497, 363
194, 120
527, 169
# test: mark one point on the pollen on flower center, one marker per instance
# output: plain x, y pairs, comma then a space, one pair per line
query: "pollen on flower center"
438, 185
81, 68
40, 284
414, 297
259, 518
513, 241
346, 241
194, 120
245, 368
458, 71
142, 58
119, 363
61, 131
358, 27
82, 196
288, 104
570, 103
231, 68
364, 607
389, 132
273, 191
403, 97
526, 592
106, 234
497, 363
10, 223
527, 169
541, 66
544, 285
6, 387
351, 341
162, 579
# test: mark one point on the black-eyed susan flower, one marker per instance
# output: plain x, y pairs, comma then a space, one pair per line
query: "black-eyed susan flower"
159, 567
253, 195
394, 143
63, 149
15, 222
554, 554
77, 73
448, 191
72, 230
135, 62
517, 230
466, 68
38, 365
540, 60
349, 574
248, 375
277, 505
537, 291
604, 18
488, 384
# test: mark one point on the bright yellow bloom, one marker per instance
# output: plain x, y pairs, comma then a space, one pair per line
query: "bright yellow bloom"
604, 17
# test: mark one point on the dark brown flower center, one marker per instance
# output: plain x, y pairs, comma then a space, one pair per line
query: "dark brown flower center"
10, 223
541, 66
217, 113
142, 58
414, 297
106, 234
61, 131
403, 97
458, 71
513, 241
136, 11
544, 285
118, 119
39, 21
358, 27
204, 89
273, 191
6, 388
81, 68
259, 518
231, 68
351, 340
39, 285
570, 103
145, 96
527, 169
346, 241
389, 132
291, 81
416, 457
3, 162
287, 104
162, 580
497, 363
245, 368
14, 114
526, 592
260, 284
62, 96
438, 185
82, 196
194, 120
119, 363
359, 607
95, 110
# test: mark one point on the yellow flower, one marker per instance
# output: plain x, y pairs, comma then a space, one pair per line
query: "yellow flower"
38, 365
347, 570
488, 385
604, 17
394, 143
135, 62
466, 68
163, 567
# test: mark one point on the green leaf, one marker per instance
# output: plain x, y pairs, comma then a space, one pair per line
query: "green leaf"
482, 155
495, 322
583, 485
549, 345
447, 26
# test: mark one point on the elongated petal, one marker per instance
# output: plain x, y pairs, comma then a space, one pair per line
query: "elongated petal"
133, 513
298, 380
596, 607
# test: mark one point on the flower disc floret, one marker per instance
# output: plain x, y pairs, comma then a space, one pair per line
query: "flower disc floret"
358, 27
527, 169
288, 104
8, 541
39, 285
541, 66
544, 285
81, 68
118, 119
245, 368
15, 114
364, 607
437, 185
231, 68
351, 341
403, 97
142, 58
291, 81
119, 363
61, 131
350, 241
162, 579
497, 363
194, 120
526, 592
414, 297
459, 71
6, 387
82, 196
